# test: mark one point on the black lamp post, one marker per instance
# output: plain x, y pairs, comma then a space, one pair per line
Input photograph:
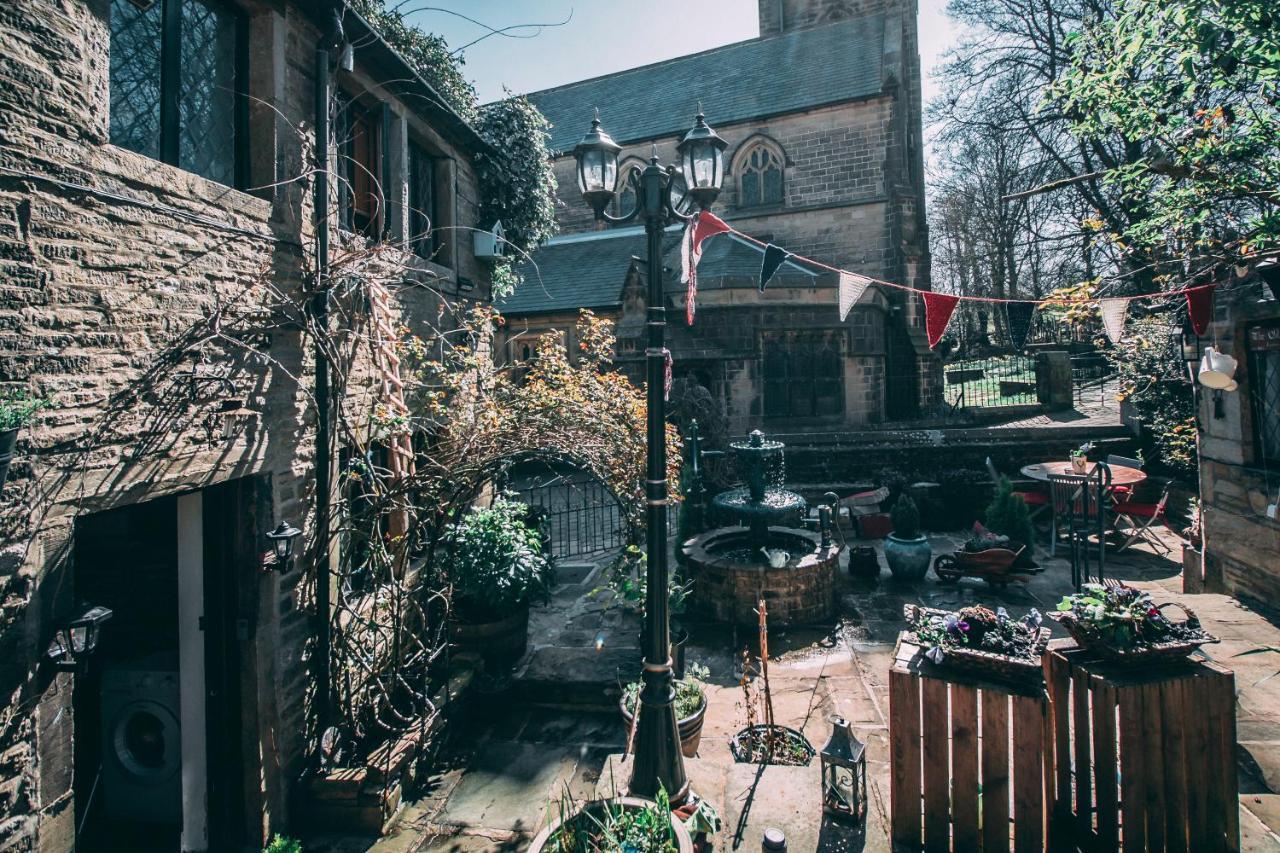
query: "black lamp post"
658, 761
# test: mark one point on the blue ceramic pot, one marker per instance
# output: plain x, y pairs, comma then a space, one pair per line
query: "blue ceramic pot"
908, 559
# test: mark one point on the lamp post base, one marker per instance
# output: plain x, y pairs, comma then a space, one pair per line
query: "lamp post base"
658, 763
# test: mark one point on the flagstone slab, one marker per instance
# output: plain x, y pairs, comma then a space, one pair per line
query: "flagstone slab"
509, 786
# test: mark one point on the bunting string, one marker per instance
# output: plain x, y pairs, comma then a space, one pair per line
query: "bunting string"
713, 224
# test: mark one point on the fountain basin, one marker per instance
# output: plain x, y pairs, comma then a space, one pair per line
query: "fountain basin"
727, 585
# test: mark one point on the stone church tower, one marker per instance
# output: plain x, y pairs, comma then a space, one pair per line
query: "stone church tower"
822, 113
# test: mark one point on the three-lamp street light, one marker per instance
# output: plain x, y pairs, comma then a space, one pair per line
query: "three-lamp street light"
658, 761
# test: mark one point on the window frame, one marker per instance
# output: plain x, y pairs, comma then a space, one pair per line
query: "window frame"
787, 340
427, 246
744, 168
170, 85
349, 109
1257, 387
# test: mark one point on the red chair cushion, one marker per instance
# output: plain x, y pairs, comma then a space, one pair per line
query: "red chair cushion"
1034, 498
1122, 490
1139, 509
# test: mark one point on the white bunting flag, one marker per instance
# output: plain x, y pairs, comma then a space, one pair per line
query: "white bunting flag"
1113, 311
851, 289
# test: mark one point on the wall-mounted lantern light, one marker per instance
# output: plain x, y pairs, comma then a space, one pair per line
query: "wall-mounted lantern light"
75, 641
282, 539
231, 419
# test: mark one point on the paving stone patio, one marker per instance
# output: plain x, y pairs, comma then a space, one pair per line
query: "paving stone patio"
553, 728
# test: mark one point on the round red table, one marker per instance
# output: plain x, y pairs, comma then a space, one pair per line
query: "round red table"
1121, 475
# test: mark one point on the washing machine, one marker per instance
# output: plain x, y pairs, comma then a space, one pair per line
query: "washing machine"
141, 741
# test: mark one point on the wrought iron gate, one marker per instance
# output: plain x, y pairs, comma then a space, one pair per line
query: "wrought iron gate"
582, 516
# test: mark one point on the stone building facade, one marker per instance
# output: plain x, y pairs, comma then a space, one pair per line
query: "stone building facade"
156, 261
1240, 448
822, 114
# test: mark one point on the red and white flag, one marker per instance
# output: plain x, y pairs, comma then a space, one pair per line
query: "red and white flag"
705, 224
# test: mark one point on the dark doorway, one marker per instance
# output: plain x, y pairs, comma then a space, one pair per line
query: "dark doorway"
901, 380
128, 751
177, 572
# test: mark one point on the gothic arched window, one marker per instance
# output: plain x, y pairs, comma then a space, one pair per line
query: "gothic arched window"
625, 201
760, 176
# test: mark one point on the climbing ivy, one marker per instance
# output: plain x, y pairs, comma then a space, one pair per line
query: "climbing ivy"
517, 184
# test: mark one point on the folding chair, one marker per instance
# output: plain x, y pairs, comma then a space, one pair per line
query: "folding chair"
1125, 462
1037, 502
1141, 518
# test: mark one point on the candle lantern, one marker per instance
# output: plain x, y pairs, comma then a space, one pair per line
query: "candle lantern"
844, 772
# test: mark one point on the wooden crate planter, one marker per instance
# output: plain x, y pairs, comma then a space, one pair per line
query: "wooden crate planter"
950, 732
1144, 758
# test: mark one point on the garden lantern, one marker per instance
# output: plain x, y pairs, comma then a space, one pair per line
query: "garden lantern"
282, 539
597, 156
702, 162
1269, 272
75, 641
844, 772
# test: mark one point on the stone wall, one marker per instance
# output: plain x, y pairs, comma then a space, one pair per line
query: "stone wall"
1241, 544
110, 265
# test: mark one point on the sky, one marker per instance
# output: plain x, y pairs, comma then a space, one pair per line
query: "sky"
602, 36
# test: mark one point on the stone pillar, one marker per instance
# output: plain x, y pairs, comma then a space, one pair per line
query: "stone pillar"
1053, 380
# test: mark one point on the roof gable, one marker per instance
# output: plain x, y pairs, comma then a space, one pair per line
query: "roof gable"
791, 72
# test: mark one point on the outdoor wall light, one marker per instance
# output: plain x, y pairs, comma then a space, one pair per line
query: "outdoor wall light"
1217, 370
233, 417
75, 641
282, 539
597, 156
702, 162
1269, 272
844, 772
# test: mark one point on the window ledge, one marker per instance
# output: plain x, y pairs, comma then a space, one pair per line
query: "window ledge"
123, 165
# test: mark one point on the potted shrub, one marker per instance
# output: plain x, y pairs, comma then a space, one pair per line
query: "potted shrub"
614, 825
17, 408
905, 550
690, 701
1007, 515
495, 562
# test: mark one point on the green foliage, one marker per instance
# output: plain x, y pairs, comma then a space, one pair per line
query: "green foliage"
495, 562
1194, 85
1007, 515
517, 184
283, 844
1153, 380
18, 407
690, 691
628, 578
426, 52
906, 518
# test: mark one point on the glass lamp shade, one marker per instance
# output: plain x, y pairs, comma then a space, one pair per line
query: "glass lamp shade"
597, 156
282, 539
76, 640
702, 162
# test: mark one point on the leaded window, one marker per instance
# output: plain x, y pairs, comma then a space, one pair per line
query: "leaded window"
176, 84
760, 182
1264, 379
803, 374
422, 201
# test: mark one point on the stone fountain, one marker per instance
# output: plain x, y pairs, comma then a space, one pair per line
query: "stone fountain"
793, 570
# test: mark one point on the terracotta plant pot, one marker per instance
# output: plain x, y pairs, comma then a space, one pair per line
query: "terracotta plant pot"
1080, 464
908, 559
501, 642
690, 727
683, 842
8, 438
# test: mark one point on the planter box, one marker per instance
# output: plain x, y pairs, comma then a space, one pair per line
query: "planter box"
1143, 759
938, 760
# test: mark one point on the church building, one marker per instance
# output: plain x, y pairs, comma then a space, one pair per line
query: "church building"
822, 113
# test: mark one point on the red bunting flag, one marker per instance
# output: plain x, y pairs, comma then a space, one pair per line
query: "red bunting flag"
1200, 307
938, 308
705, 224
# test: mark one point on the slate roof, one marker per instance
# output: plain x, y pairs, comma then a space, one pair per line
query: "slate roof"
761, 77
589, 271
